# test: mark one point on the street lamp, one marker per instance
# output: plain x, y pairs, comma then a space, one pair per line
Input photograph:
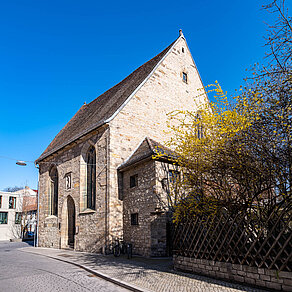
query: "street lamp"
20, 162
23, 163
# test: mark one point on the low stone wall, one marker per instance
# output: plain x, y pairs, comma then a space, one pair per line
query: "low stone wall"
265, 278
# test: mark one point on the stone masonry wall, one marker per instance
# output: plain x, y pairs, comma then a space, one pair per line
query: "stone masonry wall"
268, 279
90, 225
146, 115
149, 236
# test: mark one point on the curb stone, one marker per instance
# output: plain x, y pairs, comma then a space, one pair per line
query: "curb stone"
98, 274
144, 276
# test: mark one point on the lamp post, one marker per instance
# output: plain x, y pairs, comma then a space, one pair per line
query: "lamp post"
35, 238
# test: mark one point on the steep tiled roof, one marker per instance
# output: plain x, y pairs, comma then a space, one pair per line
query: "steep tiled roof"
92, 115
149, 148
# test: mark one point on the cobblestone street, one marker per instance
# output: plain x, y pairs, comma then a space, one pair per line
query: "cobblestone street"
140, 274
21, 272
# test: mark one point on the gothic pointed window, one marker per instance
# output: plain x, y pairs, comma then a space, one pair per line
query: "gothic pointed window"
91, 178
200, 133
54, 191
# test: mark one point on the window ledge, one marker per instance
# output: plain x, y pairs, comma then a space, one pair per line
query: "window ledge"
87, 211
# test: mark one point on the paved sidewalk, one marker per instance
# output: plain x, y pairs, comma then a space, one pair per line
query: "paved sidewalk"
139, 274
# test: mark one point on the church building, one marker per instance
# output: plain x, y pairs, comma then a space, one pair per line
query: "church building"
80, 205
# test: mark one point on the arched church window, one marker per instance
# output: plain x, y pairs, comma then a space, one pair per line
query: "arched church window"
91, 177
200, 129
54, 191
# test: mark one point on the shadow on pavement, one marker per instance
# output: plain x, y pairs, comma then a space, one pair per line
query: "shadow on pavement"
149, 268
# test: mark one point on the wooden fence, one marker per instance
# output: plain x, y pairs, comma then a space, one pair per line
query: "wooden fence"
258, 236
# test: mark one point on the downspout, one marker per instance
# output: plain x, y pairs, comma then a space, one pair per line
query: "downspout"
107, 189
36, 244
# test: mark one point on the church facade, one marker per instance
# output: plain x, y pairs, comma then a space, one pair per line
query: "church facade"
79, 201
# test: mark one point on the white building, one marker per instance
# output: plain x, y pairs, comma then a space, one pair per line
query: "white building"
17, 213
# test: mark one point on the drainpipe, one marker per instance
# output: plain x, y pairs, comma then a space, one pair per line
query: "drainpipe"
36, 243
107, 189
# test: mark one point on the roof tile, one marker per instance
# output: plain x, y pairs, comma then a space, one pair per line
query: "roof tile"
149, 148
92, 115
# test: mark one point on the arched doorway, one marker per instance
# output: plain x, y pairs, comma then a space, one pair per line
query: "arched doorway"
71, 221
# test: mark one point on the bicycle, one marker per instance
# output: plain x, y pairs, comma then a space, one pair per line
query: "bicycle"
119, 247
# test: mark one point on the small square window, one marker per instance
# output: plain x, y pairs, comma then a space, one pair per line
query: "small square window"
133, 181
12, 202
3, 217
17, 218
174, 176
164, 183
185, 77
134, 219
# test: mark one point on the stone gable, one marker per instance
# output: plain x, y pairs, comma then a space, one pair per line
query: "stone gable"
146, 113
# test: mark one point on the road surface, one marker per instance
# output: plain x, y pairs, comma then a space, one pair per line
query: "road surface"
22, 272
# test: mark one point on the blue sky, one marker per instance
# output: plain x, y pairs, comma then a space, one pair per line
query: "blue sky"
55, 55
